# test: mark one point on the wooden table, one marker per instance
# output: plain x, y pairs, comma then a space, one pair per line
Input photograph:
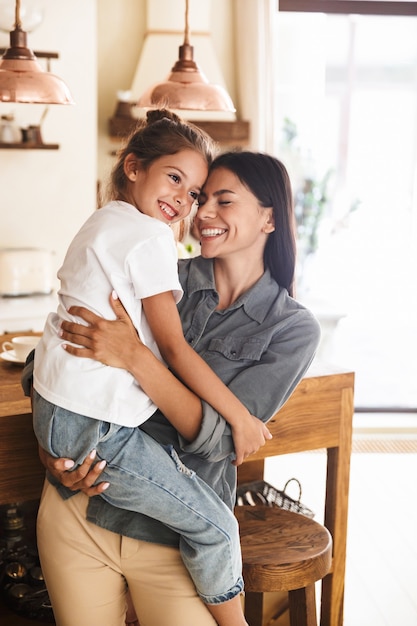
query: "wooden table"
22, 474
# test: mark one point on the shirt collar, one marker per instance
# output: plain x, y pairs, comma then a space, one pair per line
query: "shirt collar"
256, 301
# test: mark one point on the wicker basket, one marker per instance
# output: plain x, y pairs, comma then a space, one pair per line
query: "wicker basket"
261, 492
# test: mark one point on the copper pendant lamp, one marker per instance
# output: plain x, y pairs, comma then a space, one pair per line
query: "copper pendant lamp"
186, 88
22, 78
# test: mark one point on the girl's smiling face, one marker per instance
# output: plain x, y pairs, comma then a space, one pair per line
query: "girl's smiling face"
230, 220
169, 187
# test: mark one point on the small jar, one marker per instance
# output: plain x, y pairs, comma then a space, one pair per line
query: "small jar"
9, 132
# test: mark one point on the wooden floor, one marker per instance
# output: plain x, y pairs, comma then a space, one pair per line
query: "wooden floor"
381, 576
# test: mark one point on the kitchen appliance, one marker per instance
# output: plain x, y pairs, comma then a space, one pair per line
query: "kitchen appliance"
26, 314
25, 271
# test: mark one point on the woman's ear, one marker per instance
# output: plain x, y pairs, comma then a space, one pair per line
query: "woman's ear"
131, 167
269, 225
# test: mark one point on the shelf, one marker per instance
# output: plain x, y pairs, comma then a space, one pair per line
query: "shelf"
226, 133
29, 146
39, 54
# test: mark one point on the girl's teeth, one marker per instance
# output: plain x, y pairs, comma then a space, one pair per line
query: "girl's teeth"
168, 211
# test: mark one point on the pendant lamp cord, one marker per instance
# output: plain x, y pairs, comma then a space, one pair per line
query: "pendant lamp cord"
187, 27
18, 22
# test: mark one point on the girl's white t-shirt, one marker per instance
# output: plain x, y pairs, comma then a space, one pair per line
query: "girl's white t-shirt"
117, 248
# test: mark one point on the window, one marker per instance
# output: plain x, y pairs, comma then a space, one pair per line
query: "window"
346, 95
358, 7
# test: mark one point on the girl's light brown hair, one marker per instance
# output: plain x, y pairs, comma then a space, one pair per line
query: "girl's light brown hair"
161, 133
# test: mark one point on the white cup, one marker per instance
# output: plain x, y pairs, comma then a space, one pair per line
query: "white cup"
21, 346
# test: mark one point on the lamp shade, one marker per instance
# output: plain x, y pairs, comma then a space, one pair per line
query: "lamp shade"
22, 78
186, 88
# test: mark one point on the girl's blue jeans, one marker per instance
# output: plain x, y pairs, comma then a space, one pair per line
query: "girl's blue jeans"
149, 479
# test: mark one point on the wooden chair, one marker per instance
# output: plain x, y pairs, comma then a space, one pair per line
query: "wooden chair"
284, 551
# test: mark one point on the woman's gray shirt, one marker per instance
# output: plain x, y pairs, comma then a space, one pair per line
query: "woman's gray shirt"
260, 347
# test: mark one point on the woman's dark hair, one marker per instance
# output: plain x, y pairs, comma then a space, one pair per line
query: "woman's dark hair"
160, 134
267, 178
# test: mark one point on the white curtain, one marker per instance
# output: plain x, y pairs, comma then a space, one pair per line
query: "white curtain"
255, 71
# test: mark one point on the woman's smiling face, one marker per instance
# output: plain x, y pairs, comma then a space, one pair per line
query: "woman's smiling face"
230, 219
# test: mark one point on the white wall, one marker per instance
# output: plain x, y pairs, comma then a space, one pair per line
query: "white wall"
121, 30
45, 195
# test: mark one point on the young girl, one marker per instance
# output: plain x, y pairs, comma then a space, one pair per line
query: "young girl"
80, 405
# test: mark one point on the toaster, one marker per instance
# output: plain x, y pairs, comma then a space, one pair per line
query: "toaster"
25, 271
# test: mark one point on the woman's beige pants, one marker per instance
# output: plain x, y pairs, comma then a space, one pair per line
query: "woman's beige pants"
87, 570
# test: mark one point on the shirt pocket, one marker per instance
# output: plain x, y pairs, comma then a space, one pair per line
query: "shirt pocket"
238, 348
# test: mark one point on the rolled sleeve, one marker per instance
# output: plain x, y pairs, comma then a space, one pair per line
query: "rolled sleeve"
214, 440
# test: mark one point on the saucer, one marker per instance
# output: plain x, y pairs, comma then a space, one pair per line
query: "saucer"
9, 355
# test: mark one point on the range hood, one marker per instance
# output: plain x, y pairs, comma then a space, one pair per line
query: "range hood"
164, 34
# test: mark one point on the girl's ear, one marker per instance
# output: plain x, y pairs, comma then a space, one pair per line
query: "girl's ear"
131, 167
269, 225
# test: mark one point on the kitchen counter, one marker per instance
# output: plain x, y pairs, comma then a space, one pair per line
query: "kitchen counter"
21, 472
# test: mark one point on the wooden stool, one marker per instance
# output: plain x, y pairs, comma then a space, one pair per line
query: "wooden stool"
288, 551
282, 551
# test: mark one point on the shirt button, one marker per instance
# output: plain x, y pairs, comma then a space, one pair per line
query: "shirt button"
233, 353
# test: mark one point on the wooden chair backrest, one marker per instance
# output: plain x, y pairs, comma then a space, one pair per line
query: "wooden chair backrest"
318, 415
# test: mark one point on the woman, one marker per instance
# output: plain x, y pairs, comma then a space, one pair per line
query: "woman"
128, 245
238, 314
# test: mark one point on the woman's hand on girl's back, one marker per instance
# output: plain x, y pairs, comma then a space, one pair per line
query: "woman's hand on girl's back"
112, 342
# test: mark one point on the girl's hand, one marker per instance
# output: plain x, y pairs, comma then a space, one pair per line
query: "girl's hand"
81, 479
112, 342
248, 437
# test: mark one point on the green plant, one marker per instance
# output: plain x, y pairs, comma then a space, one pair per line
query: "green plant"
310, 203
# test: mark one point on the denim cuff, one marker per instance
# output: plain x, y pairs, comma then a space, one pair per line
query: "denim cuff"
26, 378
224, 597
